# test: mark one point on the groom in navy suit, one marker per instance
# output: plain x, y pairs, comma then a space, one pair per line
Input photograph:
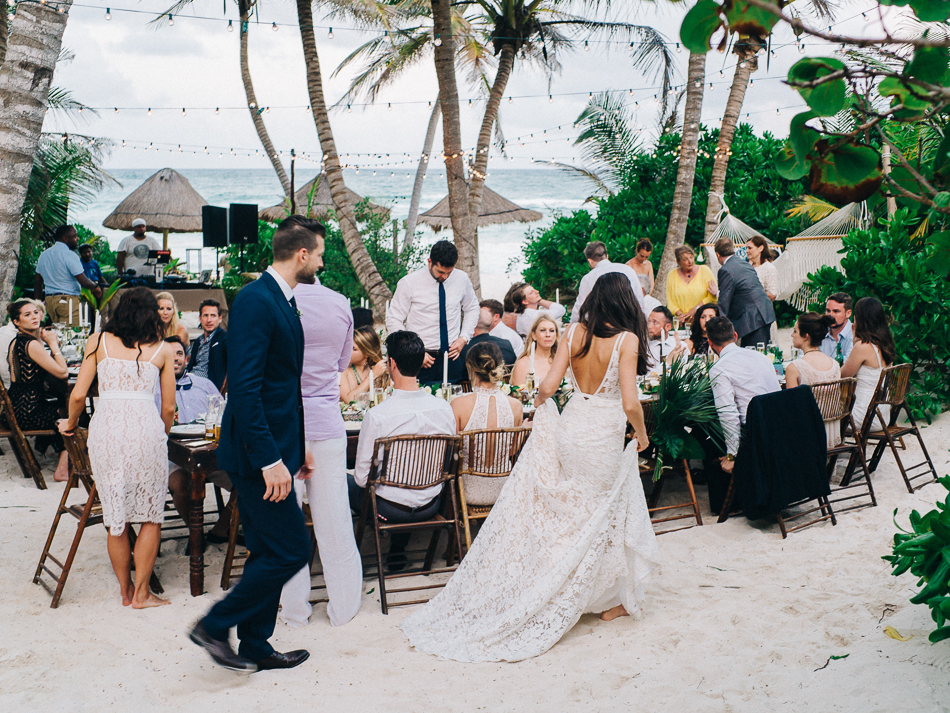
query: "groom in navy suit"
262, 446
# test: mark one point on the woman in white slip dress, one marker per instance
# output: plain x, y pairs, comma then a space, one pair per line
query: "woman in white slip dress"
814, 367
486, 407
127, 437
873, 350
570, 532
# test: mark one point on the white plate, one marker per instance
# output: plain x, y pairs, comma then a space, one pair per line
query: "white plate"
188, 429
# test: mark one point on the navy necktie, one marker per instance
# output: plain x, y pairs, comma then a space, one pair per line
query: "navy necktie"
293, 303
443, 321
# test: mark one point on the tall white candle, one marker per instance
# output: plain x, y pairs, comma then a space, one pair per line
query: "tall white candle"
532, 357
557, 295
445, 370
98, 321
70, 307
372, 386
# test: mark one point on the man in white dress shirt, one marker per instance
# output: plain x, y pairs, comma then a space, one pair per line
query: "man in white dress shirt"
410, 411
596, 254
662, 342
438, 303
737, 377
500, 329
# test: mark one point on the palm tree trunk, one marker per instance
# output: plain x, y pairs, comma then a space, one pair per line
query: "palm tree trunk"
33, 49
421, 174
463, 223
685, 173
363, 265
740, 83
4, 31
256, 117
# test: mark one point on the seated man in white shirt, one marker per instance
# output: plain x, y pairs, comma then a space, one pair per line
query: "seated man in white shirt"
662, 342
737, 377
410, 411
500, 329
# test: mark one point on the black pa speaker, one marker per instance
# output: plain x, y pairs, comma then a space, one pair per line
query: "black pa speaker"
214, 226
242, 226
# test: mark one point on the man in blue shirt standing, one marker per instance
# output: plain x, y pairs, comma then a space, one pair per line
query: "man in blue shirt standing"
840, 338
90, 267
59, 272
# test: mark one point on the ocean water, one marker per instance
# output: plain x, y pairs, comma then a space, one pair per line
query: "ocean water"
545, 190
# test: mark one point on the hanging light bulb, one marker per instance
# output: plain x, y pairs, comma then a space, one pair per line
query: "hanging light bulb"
230, 26
150, 111
510, 100
778, 112
742, 64
865, 16
273, 27
348, 109
389, 106
217, 110
699, 84
437, 41
171, 20
330, 34
550, 99
801, 49
586, 46
678, 47
183, 112
108, 14
117, 110
710, 86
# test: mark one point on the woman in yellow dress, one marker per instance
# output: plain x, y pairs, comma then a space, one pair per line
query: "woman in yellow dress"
689, 286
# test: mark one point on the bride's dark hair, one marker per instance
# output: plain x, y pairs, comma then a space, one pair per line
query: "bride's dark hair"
136, 320
611, 308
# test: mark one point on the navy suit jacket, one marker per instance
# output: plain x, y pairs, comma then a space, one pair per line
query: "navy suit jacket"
507, 353
217, 357
742, 298
263, 421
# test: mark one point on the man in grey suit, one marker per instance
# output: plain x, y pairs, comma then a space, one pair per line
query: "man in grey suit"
741, 296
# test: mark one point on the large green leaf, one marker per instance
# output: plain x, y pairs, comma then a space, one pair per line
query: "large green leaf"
847, 174
801, 137
901, 93
826, 99
699, 25
939, 260
941, 163
747, 19
926, 10
789, 165
903, 177
930, 64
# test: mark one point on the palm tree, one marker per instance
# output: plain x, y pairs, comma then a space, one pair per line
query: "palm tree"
685, 172
33, 48
363, 264
4, 31
245, 9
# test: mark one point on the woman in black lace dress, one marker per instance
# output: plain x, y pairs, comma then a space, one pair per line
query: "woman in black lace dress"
30, 368
698, 344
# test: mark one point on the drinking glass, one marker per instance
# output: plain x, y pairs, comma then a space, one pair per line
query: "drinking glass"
362, 401
760, 347
211, 416
456, 390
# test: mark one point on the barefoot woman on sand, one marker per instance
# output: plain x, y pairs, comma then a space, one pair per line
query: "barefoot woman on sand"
127, 437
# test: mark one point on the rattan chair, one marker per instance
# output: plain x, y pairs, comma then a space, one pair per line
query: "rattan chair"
87, 513
413, 463
486, 453
18, 443
661, 514
884, 432
835, 401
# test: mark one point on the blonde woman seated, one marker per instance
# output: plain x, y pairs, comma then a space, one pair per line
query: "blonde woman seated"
367, 358
544, 335
168, 311
814, 367
486, 407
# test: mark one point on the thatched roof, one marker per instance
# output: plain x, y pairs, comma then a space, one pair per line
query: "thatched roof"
495, 209
166, 202
321, 205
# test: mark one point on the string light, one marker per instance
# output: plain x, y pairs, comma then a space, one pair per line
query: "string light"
330, 34
678, 50
711, 86
171, 20
865, 16
150, 111
230, 26
274, 27
108, 14
586, 46
550, 98
183, 112
437, 41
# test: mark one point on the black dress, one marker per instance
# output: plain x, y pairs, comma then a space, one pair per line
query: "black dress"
28, 393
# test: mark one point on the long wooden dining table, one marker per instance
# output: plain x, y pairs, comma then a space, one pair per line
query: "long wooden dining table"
197, 461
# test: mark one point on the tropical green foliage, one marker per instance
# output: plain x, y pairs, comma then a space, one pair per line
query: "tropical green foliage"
888, 263
755, 193
924, 551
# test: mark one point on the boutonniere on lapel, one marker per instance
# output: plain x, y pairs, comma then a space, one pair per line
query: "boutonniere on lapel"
299, 313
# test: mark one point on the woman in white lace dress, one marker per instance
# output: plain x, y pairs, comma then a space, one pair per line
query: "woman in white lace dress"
570, 532
814, 367
486, 407
873, 350
127, 437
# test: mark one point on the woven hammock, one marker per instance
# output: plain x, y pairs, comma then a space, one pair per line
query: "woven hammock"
731, 227
815, 247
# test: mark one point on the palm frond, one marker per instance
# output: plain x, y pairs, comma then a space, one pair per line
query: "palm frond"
603, 190
810, 207
606, 140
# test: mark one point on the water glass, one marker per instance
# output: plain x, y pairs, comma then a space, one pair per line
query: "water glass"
456, 390
760, 347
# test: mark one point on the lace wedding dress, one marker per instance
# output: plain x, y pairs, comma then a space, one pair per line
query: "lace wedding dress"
128, 448
569, 534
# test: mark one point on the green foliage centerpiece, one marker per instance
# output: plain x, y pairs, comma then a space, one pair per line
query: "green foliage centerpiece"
684, 403
925, 551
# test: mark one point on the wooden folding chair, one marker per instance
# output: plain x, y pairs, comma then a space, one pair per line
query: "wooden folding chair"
18, 443
660, 514
835, 401
87, 514
413, 463
486, 453
892, 391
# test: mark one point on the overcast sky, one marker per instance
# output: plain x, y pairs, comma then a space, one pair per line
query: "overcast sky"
127, 63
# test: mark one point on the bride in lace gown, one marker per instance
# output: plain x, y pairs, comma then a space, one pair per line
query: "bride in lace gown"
570, 532
127, 436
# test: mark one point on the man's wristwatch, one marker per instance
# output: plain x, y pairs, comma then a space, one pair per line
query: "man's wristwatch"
730, 456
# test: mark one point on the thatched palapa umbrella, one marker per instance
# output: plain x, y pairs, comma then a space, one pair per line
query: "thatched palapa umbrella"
320, 205
166, 202
495, 209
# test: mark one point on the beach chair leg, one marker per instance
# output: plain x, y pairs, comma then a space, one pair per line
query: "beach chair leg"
73, 548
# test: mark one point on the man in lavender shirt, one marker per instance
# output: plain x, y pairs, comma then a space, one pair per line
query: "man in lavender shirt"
328, 342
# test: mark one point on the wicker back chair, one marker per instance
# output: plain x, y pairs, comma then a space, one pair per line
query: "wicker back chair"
17, 439
884, 432
87, 513
413, 463
486, 453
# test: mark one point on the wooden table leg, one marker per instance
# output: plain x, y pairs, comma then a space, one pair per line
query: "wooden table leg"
196, 532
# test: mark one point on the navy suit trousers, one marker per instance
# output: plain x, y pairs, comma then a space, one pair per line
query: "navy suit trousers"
279, 547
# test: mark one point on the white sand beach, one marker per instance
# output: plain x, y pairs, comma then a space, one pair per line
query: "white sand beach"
737, 620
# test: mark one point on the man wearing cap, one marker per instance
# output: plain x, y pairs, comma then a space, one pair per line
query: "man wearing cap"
133, 250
